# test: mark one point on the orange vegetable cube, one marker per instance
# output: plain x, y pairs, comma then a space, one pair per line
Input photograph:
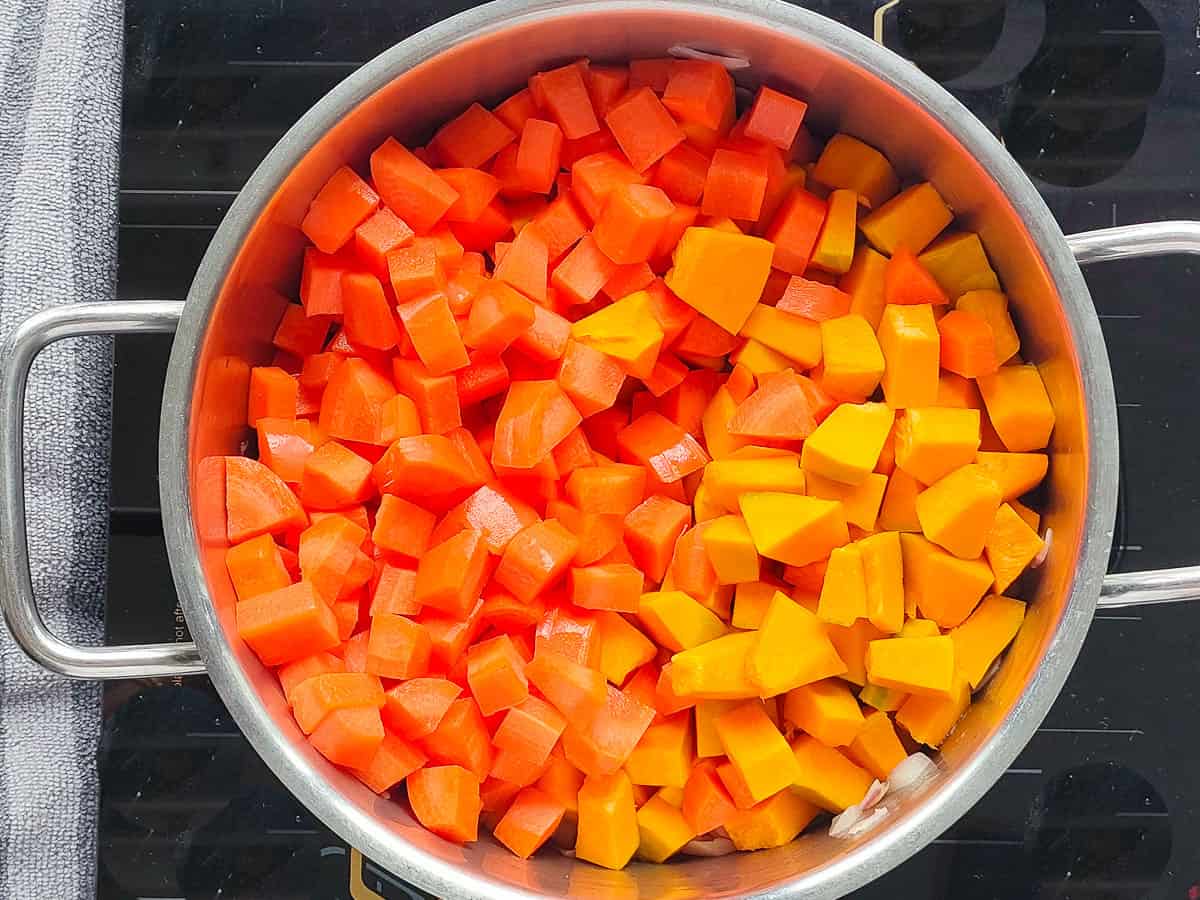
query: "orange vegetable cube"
1018, 406
496, 675
643, 128
983, 636
706, 801
1011, 545
700, 92
757, 750
719, 274
957, 511
410, 187
876, 747
794, 230
826, 777
531, 818
434, 333
499, 315
908, 337
450, 574
615, 586
576, 691
794, 529
662, 830
608, 827
928, 718
910, 220
349, 737
846, 162
398, 647
651, 530
256, 567
535, 417
774, 118
625, 330
631, 222
967, 345
825, 709
445, 799
789, 649
565, 94
853, 364
933, 441
415, 708
339, 207
735, 185
681, 174
536, 558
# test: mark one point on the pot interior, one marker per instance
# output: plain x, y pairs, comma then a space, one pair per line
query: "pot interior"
432, 77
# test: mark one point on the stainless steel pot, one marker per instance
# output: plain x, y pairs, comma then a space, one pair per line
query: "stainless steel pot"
251, 267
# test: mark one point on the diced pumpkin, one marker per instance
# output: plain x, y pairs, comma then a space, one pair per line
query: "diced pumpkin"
983, 636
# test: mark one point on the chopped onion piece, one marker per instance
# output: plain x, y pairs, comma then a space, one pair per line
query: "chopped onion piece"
1047, 540
876, 792
845, 820
733, 63
868, 822
910, 771
712, 847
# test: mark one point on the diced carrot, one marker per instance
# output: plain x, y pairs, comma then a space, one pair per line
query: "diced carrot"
700, 92
576, 691
591, 379
354, 652
285, 443
446, 248
299, 333
482, 232
631, 222
794, 230
654, 441
394, 761
435, 396
461, 738
529, 822
369, 319
525, 265
255, 567
614, 587
583, 272
414, 708
471, 138
607, 489
410, 187
682, 218
272, 394
654, 73
451, 574
596, 176
546, 339
785, 406
704, 338
327, 551
599, 533
295, 673
531, 728
684, 405
813, 300
681, 173
257, 501
402, 527
573, 452
379, 235
968, 347
565, 95
431, 328
445, 799
349, 737
498, 316
394, 590
735, 185
906, 281
599, 745
335, 477
353, 403
476, 189
574, 634
536, 558
486, 376
560, 224
493, 511
316, 697
606, 85
538, 155
516, 109
288, 624
536, 415
339, 207
451, 635
628, 279
651, 530
321, 281
496, 675
775, 118
643, 128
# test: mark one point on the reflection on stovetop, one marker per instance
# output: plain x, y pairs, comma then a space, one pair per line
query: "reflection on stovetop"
1096, 98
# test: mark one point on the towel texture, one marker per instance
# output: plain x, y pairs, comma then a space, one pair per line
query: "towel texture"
60, 113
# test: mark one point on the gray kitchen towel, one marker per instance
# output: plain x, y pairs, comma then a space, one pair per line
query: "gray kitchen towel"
60, 113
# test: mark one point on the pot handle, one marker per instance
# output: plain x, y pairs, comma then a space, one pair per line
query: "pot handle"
1133, 242
16, 588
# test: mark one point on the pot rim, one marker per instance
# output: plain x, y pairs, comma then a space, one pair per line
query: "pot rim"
969, 782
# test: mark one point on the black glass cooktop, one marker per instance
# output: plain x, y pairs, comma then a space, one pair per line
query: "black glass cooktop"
1098, 99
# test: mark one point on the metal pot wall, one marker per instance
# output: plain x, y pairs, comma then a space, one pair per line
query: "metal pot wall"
252, 266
